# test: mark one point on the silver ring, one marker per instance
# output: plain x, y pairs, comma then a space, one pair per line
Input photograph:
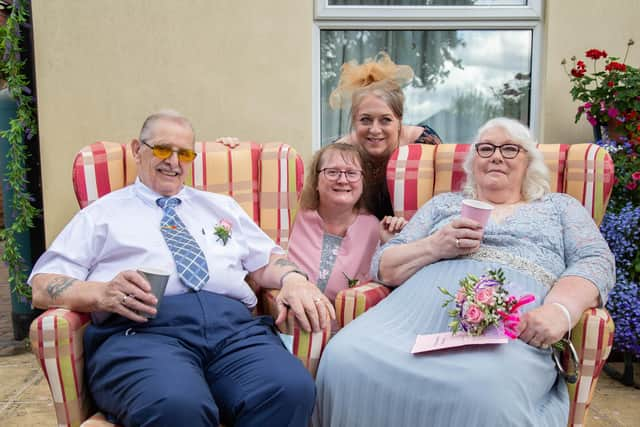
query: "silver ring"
124, 299
544, 346
317, 300
458, 243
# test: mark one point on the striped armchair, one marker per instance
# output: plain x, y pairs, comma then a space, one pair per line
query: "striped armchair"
416, 173
265, 179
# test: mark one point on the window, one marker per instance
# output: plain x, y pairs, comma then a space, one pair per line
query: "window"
473, 59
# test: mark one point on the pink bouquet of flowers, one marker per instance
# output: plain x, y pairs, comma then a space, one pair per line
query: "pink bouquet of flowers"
483, 302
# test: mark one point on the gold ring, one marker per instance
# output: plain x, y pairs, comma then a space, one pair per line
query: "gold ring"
544, 346
458, 243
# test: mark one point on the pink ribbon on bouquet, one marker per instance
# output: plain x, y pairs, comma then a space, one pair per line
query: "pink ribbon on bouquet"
511, 319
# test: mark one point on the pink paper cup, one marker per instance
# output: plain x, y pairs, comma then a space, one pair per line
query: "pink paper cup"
476, 210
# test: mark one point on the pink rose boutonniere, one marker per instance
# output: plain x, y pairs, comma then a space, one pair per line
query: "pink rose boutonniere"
483, 302
223, 231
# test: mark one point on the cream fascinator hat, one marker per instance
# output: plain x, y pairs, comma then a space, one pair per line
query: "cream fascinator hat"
354, 76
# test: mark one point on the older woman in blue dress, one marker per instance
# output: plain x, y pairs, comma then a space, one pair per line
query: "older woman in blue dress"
546, 243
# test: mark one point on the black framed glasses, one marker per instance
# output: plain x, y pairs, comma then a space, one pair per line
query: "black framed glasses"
165, 151
508, 151
351, 175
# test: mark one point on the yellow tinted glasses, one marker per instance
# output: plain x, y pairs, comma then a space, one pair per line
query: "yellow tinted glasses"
165, 151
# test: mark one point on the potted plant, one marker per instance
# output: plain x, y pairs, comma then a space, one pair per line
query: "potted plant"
608, 90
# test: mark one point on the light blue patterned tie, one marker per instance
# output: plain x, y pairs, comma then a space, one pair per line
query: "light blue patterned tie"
190, 261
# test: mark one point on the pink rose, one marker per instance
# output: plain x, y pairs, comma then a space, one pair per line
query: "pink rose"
632, 185
636, 176
460, 296
485, 296
225, 224
474, 314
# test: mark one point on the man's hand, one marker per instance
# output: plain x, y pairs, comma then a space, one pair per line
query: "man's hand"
543, 326
310, 306
127, 294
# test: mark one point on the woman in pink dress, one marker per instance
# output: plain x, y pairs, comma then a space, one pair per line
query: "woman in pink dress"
334, 237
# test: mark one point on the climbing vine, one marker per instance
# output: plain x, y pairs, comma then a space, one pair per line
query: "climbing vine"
22, 128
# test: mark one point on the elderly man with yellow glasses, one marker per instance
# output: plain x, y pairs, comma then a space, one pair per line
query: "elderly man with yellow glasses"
202, 358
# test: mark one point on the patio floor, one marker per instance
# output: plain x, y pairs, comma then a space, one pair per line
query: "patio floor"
25, 400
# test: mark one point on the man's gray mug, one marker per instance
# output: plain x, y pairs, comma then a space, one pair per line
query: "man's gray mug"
158, 280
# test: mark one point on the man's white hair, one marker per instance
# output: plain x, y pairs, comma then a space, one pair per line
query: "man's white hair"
171, 115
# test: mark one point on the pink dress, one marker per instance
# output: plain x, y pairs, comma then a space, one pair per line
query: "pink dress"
327, 258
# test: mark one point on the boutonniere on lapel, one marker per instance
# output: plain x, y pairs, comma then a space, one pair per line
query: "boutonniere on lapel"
351, 282
223, 231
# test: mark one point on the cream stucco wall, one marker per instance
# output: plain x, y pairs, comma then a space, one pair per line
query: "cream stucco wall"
235, 67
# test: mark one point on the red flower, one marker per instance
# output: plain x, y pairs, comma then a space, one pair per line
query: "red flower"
610, 83
631, 185
636, 176
577, 73
613, 65
595, 54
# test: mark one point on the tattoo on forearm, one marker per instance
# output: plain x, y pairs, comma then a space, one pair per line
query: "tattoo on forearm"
283, 262
58, 285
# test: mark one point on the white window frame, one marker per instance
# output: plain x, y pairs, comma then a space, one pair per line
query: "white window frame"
529, 17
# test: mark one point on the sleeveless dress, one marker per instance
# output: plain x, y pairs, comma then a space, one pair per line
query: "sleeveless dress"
368, 376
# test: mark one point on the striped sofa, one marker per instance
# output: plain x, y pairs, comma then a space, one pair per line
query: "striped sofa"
416, 173
265, 179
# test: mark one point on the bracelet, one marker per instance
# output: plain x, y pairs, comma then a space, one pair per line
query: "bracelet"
567, 314
302, 273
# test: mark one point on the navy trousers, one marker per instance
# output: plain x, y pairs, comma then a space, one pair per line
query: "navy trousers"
205, 359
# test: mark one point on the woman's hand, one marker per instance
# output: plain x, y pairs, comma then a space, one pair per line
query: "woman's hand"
543, 326
391, 225
229, 141
462, 236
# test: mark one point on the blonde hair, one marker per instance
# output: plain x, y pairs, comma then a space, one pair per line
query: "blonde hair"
310, 199
536, 180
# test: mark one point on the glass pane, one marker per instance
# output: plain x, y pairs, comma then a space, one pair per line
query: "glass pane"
462, 77
427, 2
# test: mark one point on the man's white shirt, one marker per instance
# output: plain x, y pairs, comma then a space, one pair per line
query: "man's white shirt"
121, 231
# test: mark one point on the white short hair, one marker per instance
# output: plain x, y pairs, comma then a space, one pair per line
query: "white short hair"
171, 115
536, 180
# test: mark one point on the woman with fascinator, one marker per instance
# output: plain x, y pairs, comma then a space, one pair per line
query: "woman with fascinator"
374, 92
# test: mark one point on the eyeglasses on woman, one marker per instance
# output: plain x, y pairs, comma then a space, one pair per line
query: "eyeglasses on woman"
508, 151
332, 174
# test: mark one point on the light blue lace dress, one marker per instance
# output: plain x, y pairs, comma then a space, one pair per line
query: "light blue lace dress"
368, 377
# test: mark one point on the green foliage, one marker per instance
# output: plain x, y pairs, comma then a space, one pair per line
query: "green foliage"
608, 95
21, 127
